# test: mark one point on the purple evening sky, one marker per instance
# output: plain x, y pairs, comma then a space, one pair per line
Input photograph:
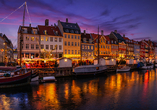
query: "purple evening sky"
134, 18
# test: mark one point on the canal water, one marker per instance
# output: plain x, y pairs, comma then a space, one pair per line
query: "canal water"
136, 90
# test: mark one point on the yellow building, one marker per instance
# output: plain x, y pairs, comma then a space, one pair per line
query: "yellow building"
71, 39
104, 45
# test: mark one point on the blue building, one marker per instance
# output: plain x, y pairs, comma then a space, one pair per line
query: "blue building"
87, 46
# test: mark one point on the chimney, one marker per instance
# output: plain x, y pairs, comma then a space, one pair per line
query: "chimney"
102, 32
84, 32
115, 31
66, 20
29, 25
47, 22
123, 35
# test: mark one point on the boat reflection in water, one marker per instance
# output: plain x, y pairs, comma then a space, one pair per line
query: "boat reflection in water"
129, 90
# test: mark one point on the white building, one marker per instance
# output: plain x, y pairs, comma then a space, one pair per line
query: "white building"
30, 47
51, 41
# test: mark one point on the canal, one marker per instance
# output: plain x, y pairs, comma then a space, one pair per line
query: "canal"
118, 91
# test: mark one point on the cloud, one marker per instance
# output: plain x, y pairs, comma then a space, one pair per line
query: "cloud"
105, 13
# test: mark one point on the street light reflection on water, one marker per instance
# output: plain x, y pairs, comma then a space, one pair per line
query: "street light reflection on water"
129, 90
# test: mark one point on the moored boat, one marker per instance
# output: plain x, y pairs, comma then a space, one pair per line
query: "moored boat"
14, 77
123, 68
147, 66
90, 69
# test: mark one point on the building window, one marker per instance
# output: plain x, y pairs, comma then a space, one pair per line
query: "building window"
27, 38
72, 51
75, 43
72, 36
72, 44
42, 38
55, 39
51, 47
42, 46
60, 39
32, 46
75, 51
92, 47
60, 47
65, 36
85, 46
69, 36
78, 51
47, 46
32, 38
68, 51
68, 43
37, 46
51, 39
27, 46
88, 47
65, 43
75, 37
82, 46
46, 39
45, 32
78, 44
78, 37
37, 39
65, 51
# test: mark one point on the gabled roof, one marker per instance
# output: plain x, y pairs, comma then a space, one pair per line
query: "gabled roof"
50, 30
87, 36
119, 37
95, 36
29, 29
71, 27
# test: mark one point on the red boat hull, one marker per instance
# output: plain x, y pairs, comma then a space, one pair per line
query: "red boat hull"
14, 81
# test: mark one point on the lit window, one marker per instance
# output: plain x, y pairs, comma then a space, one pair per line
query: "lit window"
42, 38
82, 46
27, 38
92, 47
88, 47
37, 39
55, 39
32, 38
46, 39
45, 32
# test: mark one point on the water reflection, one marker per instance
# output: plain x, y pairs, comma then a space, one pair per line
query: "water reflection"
115, 91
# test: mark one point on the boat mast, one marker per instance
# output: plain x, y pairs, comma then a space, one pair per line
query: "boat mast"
21, 37
98, 44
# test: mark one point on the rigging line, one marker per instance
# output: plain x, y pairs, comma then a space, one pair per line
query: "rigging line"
28, 13
12, 12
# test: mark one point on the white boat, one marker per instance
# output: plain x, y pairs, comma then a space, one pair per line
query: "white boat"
48, 79
90, 69
123, 68
147, 66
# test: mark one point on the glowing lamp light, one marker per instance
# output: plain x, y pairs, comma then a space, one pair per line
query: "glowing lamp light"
65, 60
112, 59
2, 50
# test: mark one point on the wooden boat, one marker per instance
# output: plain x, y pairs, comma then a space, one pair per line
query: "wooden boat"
123, 68
14, 77
90, 69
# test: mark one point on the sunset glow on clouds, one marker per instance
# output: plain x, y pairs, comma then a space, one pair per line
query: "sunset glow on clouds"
135, 19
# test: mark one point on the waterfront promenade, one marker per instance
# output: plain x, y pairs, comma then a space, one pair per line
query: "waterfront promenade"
134, 90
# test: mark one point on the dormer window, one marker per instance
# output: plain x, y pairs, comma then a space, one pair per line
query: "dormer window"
90, 41
108, 42
34, 31
112, 41
76, 32
45, 32
115, 42
84, 40
72, 31
24, 30
66, 30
